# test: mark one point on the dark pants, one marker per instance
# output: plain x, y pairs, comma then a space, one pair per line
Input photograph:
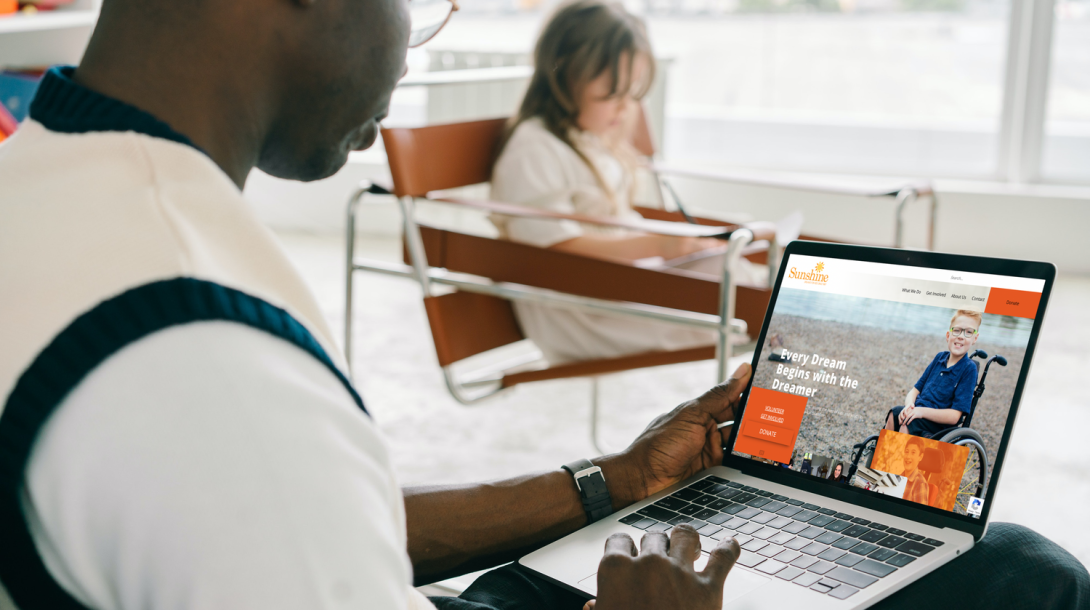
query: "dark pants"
1013, 567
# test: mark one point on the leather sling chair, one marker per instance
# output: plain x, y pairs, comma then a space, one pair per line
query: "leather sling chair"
487, 273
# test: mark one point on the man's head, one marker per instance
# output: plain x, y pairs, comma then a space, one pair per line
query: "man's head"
289, 86
963, 332
913, 454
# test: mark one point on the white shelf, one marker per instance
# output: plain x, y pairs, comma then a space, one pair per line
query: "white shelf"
46, 21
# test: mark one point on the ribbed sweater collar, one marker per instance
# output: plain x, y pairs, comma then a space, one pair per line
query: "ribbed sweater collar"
63, 105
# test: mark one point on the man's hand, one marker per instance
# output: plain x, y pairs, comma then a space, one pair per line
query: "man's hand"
678, 444
662, 574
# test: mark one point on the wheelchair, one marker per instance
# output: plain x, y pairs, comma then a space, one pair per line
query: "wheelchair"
976, 466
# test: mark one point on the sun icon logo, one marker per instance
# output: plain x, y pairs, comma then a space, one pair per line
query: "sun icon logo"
819, 267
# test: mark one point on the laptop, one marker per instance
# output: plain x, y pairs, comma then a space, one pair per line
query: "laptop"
832, 508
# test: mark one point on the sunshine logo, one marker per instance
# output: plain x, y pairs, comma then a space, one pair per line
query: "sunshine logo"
810, 277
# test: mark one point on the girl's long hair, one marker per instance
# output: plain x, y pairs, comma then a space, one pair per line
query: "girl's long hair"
583, 39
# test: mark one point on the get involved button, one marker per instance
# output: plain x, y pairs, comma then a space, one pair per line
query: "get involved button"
769, 432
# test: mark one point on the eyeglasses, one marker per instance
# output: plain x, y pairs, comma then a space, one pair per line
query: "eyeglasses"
957, 332
427, 17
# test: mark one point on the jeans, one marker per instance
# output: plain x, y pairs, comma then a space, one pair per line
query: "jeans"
1012, 567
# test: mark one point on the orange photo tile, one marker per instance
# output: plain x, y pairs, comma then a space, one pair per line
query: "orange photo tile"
933, 469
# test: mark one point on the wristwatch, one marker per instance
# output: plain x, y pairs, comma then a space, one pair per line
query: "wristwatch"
592, 489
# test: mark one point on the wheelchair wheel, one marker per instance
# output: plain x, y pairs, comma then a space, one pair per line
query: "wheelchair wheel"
976, 467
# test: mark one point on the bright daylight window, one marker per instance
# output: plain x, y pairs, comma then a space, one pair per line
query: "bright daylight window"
1066, 150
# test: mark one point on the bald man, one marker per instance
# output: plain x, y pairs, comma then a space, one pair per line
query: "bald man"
177, 429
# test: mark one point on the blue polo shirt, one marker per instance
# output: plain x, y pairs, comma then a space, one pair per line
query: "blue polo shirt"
947, 388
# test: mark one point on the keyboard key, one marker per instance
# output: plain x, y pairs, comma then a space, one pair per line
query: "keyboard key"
882, 554
719, 518
787, 556
686, 494
805, 561
734, 509
856, 531
774, 506
790, 573
719, 480
771, 551
671, 503
656, 513
729, 494
932, 542
690, 509
721, 534
793, 502
806, 579
765, 533
795, 527
742, 538
658, 527
708, 530
749, 512
878, 526
828, 538
849, 560
735, 523
764, 493
845, 516
708, 544
811, 532
843, 592
716, 489
896, 532
916, 549
706, 514
749, 528
916, 537
821, 567
826, 511
860, 521
874, 568
820, 588
758, 502
781, 538
789, 511
630, 519
821, 521
741, 498
873, 536
719, 504
836, 526
828, 582
750, 560
845, 543
814, 549
696, 524
797, 543
830, 554
770, 566
779, 498
849, 576
755, 545
900, 560
731, 483
763, 518
891, 542
644, 523
779, 522
680, 519
805, 515
863, 548
811, 507
702, 484
750, 489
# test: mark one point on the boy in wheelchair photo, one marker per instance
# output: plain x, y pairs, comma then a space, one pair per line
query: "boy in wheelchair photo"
943, 395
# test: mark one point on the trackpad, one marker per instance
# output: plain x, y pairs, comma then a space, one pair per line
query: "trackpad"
739, 582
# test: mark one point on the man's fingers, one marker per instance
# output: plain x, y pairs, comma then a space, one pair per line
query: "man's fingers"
719, 401
589, 605
621, 544
654, 542
684, 544
722, 560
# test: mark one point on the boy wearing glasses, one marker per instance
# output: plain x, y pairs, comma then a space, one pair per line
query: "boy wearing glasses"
944, 393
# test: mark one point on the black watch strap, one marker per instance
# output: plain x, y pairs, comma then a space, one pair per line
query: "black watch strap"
592, 489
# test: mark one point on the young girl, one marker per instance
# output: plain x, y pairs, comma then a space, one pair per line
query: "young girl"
569, 151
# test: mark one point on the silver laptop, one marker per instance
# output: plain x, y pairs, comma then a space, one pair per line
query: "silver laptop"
833, 506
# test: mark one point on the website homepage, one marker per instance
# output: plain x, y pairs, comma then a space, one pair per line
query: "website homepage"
873, 375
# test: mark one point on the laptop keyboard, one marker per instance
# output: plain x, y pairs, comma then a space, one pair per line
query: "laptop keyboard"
826, 551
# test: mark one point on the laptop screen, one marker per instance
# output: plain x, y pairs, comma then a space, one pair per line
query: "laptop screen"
872, 375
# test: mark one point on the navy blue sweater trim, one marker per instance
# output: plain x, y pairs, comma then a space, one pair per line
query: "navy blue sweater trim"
63, 105
68, 359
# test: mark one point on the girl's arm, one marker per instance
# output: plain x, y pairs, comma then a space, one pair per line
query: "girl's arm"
628, 248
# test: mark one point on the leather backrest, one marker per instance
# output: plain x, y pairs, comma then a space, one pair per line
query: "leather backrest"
464, 324
437, 157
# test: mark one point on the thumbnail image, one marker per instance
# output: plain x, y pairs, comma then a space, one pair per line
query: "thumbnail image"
883, 483
933, 470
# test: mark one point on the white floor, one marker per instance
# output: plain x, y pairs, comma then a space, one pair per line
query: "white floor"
433, 439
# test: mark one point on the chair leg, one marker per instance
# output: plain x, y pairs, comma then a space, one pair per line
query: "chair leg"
595, 401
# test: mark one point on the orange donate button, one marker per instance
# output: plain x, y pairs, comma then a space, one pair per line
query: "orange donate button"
768, 432
770, 424
1017, 303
